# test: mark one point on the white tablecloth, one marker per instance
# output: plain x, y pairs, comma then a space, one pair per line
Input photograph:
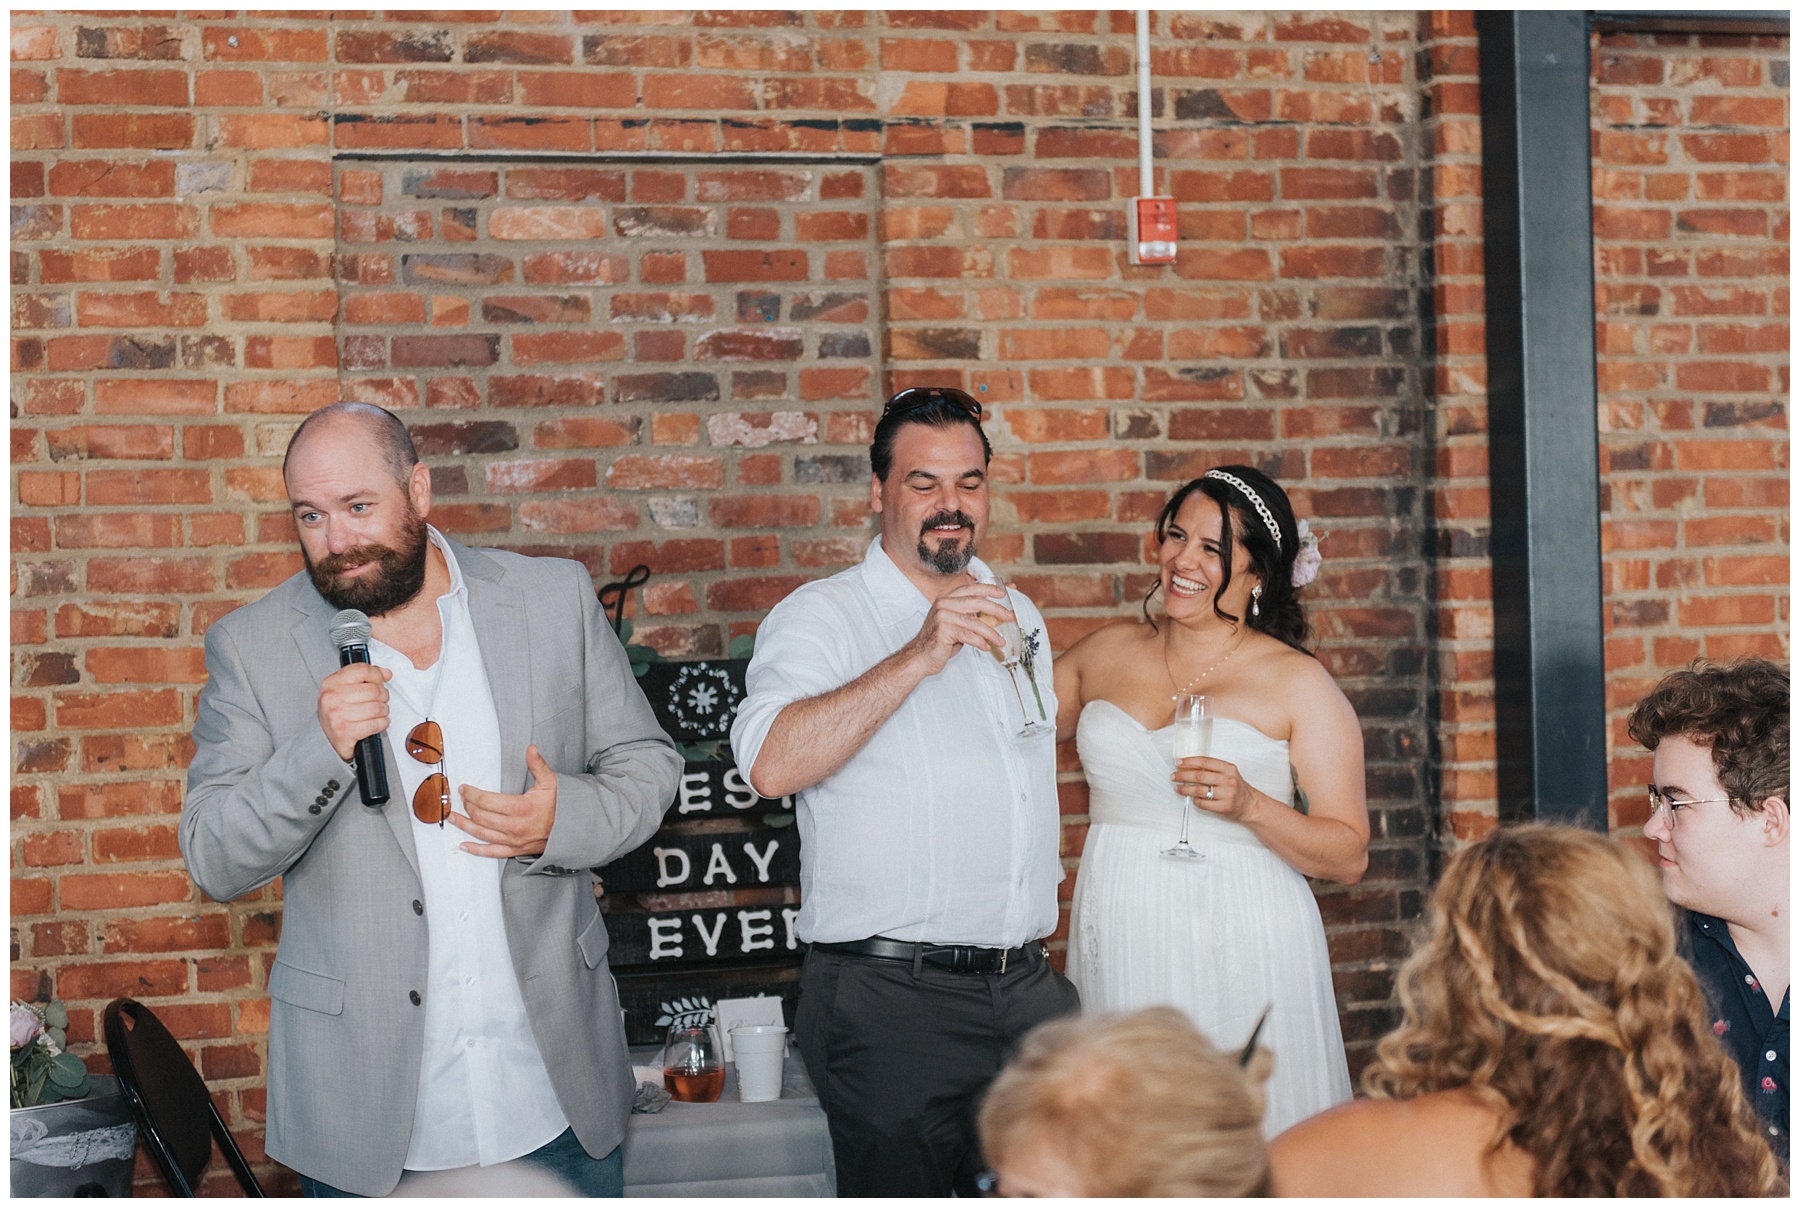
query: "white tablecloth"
728, 1148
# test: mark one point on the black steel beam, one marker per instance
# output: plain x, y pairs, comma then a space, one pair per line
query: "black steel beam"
1549, 669
1704, 21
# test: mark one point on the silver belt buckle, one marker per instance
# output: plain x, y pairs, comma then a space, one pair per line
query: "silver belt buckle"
1004, 953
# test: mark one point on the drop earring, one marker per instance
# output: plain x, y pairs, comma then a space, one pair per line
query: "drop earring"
1256, 600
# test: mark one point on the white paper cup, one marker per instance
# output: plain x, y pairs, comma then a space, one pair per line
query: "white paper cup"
760, 1051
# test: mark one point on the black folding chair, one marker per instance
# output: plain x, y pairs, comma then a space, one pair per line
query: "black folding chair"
175, 1112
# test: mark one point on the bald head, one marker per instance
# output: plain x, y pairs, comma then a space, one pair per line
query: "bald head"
362, 421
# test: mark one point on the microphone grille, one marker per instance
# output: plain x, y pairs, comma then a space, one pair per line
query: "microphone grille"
349, 628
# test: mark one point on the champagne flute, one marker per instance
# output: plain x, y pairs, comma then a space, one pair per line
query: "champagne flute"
1193, 738
1010, 655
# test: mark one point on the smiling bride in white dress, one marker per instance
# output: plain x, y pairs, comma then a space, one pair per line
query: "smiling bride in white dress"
1281, 798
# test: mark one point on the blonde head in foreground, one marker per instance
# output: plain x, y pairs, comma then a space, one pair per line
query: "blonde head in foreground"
1550, 986
1126, 1105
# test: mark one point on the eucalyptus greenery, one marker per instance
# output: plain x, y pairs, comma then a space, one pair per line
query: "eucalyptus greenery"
42, 1072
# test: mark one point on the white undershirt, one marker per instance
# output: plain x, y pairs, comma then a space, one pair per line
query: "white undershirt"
484, 1093
944, 826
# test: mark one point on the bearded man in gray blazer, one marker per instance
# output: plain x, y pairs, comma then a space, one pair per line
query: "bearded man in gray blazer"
441, 997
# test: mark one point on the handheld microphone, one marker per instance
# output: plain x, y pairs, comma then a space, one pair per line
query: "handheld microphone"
350, 634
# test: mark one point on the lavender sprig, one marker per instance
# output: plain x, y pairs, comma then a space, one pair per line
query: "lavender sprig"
1028, 649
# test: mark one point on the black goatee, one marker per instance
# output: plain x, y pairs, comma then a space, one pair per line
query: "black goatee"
950, 557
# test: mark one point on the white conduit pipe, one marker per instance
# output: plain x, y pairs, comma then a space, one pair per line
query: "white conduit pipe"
1146, 177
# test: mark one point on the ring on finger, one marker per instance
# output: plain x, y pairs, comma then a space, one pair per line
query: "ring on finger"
1209, 792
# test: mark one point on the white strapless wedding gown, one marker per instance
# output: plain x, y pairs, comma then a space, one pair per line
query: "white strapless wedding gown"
1221, 937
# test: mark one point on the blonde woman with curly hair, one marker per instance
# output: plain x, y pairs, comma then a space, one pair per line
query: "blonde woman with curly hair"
1115, 1105
1553, 1044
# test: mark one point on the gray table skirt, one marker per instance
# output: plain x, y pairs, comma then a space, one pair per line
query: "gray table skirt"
728, 1148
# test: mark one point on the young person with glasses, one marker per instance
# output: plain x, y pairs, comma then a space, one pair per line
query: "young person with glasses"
1719, 817
912, 722
441, 998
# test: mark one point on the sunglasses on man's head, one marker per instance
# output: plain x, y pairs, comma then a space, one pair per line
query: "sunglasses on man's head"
914, 397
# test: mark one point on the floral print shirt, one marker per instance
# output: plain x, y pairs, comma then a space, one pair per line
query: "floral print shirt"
1754, 1035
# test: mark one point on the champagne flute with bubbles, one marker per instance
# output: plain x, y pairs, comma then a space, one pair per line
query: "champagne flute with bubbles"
1011, 655
1193, 738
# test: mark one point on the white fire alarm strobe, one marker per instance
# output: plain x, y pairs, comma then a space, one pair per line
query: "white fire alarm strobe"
1152, 239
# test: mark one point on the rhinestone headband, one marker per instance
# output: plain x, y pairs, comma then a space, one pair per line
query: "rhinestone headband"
1262, 509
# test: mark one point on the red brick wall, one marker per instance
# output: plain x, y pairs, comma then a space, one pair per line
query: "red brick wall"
1456, 425
665, 364
1691, 254
199, 261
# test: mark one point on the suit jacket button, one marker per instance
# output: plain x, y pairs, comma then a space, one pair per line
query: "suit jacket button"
414, 995
331, 786
418, 906
314, 809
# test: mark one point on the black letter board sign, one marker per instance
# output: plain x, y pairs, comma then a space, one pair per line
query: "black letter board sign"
705, 909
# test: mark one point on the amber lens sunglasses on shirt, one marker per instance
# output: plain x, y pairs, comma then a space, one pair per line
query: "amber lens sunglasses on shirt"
431, 800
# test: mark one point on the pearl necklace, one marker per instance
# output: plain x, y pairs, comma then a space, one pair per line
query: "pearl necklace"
1218, 663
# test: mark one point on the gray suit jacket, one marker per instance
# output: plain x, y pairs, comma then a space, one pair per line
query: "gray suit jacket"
268, 797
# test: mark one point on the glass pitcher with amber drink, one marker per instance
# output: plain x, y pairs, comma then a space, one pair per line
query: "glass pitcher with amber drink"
693, 1070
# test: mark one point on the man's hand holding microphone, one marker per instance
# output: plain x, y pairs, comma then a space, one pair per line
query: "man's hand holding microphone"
353, 705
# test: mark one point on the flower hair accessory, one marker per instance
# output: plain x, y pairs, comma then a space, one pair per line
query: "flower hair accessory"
1307, 557
1262, 509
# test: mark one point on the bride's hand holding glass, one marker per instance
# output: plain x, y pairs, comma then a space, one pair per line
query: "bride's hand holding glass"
1215, 786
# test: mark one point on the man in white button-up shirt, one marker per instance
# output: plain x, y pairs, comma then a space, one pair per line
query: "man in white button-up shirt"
928, 821
441, 997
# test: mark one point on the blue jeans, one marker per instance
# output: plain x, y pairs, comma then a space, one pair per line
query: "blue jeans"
595, 1178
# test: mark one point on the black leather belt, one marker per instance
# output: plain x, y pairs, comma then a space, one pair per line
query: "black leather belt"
958, 958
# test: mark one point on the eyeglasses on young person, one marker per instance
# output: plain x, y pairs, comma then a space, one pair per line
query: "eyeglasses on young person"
1661, 801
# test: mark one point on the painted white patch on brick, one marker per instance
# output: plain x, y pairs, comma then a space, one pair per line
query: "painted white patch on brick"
676, 511
272, 439
783, 427
191, 178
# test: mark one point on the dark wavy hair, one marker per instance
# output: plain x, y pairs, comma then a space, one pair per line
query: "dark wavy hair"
1280, 613
937, 412
1739, 710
